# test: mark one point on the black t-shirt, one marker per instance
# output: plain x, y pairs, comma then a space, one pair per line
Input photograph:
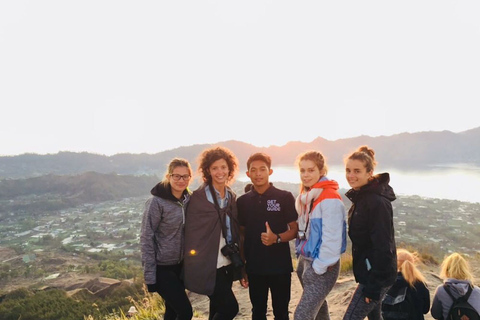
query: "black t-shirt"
278, 208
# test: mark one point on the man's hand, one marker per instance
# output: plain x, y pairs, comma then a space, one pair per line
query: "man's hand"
244, 282
244, 279
268, 237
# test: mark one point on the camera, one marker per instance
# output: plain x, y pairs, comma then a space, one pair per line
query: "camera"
231, 251
301, 235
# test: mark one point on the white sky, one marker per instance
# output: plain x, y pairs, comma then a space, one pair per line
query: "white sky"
147, 76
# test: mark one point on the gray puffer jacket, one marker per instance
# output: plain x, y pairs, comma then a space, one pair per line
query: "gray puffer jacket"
162, 234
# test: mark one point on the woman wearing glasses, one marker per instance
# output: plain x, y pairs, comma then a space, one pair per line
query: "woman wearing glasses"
212, 260
162, 239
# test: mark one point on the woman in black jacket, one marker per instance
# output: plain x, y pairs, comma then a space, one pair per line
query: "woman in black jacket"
370, 228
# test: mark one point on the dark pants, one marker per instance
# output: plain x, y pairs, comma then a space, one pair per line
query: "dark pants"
279, 285
358, 309
223, 304
172, 290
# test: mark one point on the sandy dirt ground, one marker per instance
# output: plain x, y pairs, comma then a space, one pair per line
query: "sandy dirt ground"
338, 298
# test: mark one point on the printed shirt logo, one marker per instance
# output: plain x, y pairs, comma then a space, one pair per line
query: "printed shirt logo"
272, 205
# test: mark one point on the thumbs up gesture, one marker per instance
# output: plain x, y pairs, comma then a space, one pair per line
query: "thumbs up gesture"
268, 237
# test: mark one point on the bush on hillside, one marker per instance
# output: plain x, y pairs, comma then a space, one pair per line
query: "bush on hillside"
48, 305
149, 306
346, 263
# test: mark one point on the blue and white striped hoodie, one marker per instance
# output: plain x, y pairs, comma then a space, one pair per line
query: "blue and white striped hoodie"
323, 218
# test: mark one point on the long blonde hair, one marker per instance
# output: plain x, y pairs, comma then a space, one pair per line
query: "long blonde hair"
407, 265
455, 266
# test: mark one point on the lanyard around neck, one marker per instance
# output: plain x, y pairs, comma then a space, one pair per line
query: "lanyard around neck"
217, 207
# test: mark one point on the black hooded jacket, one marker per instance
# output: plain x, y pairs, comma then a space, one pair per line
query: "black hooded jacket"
370, 228
419, 296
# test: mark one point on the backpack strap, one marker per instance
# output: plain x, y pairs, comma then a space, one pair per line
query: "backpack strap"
469, 292
466, 296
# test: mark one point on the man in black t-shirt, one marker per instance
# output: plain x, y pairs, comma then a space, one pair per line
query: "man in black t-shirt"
268, 221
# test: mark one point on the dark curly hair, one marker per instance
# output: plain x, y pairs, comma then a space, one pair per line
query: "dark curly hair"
209, 156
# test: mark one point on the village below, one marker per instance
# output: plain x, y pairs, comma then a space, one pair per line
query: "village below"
39, 249
70, 225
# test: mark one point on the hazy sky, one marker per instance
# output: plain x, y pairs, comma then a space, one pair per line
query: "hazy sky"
146, 76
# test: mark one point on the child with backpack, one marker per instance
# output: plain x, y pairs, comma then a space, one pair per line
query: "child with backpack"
409, 297
458, 297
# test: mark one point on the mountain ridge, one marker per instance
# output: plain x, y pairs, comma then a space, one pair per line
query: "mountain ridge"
403, 150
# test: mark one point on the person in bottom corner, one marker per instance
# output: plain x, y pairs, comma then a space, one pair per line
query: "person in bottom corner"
162, 239
212, 259
458, 278
321, 237
268, 221
370, 228
411, 277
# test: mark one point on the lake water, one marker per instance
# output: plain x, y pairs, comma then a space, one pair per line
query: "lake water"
454, 182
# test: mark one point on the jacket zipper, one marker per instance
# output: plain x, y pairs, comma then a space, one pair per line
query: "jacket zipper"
183, 227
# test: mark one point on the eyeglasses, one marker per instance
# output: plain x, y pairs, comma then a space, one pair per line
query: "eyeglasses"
177, 177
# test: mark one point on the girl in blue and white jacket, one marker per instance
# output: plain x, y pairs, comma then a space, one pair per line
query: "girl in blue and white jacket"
322, 236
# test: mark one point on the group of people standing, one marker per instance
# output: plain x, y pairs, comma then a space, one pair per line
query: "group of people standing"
205, 240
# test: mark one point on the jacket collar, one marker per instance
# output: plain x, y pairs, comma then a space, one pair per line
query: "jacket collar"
165, 192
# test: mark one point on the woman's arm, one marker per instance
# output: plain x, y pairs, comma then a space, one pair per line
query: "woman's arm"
423, 296
382, 260
330, 227
150, 222
437, 310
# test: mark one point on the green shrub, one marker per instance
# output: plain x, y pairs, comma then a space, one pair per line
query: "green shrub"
52, 305
18, 294
149, 306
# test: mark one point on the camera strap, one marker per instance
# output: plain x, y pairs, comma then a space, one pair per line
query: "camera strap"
307, 214
217, 207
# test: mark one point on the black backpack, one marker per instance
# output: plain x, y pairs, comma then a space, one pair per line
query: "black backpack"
398, 303
460, 307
